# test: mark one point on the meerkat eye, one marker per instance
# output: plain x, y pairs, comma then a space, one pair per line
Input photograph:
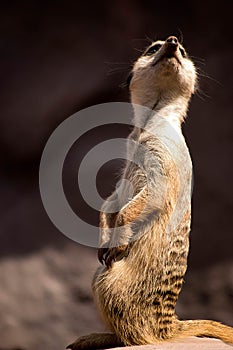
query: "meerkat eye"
182, 51
152, 49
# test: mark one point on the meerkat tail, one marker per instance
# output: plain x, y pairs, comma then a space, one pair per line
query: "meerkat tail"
206, 328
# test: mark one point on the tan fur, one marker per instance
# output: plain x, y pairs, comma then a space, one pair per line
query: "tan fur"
146, 254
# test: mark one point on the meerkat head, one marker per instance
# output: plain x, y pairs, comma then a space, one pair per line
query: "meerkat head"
163, 72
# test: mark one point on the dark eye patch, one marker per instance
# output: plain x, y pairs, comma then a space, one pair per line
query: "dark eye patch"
152, 49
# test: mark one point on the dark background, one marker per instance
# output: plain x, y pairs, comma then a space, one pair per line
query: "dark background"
57, 57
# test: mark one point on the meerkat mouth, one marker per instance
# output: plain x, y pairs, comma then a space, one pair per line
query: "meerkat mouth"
167, 56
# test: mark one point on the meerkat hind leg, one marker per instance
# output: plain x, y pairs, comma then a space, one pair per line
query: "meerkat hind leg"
96, 341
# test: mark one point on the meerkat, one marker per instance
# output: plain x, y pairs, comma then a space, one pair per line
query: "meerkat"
144, 255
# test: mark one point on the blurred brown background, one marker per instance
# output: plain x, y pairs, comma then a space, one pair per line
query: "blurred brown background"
57, 57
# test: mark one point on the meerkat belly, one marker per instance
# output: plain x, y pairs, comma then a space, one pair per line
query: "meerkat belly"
142, 289
157, 257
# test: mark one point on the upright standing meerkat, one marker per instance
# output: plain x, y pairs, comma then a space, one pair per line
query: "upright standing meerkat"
144, 246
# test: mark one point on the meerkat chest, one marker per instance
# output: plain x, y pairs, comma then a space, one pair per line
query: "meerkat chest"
163, 137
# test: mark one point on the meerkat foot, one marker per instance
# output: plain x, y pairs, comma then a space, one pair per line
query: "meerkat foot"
115, 254
96, 341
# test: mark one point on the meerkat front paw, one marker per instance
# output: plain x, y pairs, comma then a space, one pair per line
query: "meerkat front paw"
115, 254
101, 253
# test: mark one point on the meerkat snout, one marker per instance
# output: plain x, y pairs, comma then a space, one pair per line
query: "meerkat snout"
170, 46
172, 40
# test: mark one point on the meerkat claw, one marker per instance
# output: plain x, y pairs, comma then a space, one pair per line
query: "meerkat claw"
101, 252
108, 259
115, 254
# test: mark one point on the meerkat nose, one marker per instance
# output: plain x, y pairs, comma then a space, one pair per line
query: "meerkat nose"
172, 41
171, 45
